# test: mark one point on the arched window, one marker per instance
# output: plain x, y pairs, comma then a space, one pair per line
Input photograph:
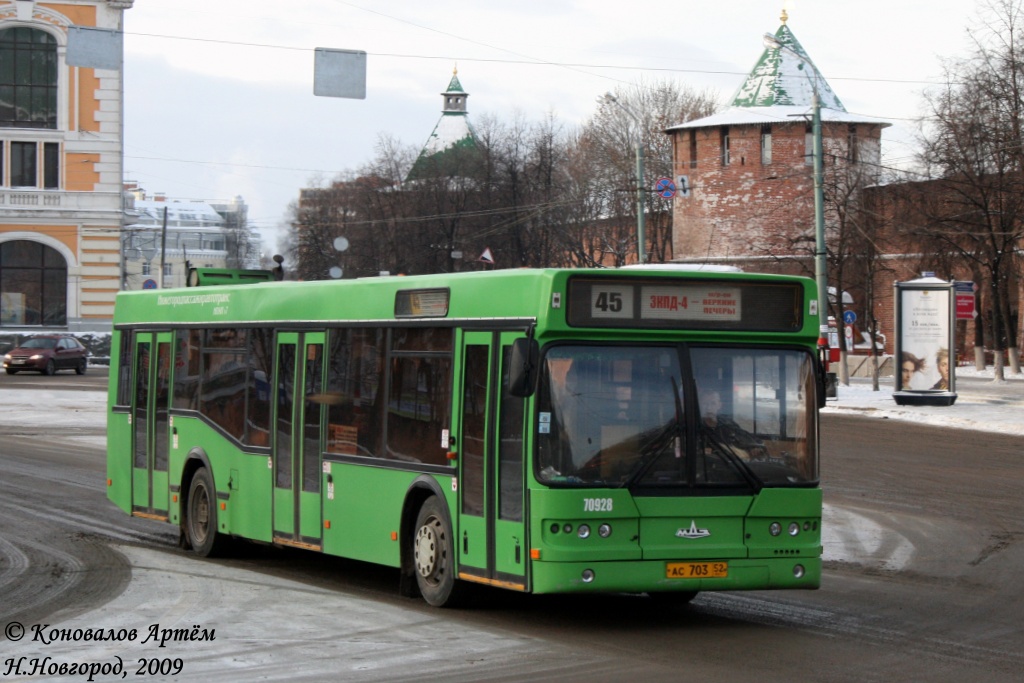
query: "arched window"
33, 285
28, 79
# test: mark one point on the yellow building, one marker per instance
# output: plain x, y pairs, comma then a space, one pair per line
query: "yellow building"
60, 169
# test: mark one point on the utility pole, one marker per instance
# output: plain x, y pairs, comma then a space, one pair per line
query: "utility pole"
163, 251
820, 263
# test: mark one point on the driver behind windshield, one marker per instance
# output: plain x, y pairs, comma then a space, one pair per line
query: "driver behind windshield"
719, 427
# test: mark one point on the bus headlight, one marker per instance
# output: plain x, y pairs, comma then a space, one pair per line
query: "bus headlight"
587, 576
604, 531
583, 531
794, 528
775, 528
799, 571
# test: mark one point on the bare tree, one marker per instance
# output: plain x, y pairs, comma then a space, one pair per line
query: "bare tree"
533, 194
973, 144
632, 117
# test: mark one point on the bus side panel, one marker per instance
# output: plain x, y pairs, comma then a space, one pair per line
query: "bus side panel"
362, 511
119, 460
242, 480
119, 438
248, 482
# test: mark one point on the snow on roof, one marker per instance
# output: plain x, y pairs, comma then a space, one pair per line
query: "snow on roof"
785, 75
452, 134
454, 86
450, 131
779, 89
740, 116
181, 212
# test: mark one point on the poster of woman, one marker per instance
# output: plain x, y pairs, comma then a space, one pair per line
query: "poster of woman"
924, 326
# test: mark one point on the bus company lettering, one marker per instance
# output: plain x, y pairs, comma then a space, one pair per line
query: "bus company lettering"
189, 299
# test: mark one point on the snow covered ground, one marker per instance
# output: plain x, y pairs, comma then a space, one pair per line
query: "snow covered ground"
982, 402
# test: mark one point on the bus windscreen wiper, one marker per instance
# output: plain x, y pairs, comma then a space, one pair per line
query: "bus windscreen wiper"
732, 458
650, 453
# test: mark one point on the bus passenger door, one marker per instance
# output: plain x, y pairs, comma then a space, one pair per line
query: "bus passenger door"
492, 532
149, 413
297, 442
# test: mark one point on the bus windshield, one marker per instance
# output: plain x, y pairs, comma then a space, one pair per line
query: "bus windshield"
632, 416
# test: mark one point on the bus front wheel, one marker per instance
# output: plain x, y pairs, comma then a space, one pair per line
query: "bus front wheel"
433, 551
201, 515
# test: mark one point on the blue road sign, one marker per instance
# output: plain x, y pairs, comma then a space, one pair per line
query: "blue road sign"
666, 188
849, 317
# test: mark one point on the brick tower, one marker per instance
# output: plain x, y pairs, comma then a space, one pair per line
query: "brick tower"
749, 168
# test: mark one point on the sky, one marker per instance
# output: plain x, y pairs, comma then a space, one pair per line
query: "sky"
219, 95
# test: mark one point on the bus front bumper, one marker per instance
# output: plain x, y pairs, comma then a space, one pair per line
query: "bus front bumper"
653, 576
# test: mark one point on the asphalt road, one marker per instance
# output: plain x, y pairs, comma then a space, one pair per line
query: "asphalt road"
949, 501
95, 379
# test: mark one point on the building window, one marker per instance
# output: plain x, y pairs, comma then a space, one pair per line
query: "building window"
725, 145
28, 79
766, 145
852, 146
32, 164
23, 164
145, 268
809, 146
693, 149
33, 285
51, 165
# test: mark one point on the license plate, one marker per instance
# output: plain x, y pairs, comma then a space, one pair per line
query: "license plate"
697, 570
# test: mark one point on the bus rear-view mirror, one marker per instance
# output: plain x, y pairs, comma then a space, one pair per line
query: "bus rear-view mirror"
522, 371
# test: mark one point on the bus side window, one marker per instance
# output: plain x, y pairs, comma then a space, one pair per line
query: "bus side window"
222, 397
419, 401
124, 372
419, 394
261, 359
355, 362
186, 373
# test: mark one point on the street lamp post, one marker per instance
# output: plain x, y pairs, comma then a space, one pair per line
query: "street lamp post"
641, 244
820, 263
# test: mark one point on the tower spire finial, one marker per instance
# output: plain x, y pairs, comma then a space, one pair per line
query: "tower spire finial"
784, 17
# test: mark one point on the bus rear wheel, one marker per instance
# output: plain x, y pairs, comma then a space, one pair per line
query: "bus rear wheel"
433, 552
201, 515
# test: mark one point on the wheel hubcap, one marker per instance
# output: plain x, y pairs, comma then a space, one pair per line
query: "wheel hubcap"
427, 549
200, 515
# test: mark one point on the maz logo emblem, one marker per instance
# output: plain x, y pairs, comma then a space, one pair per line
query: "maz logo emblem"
693, 531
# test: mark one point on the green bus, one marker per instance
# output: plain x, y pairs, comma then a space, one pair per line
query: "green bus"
631, 430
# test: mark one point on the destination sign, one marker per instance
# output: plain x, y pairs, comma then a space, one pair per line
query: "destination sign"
690, 304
